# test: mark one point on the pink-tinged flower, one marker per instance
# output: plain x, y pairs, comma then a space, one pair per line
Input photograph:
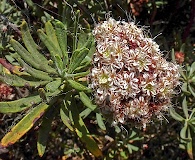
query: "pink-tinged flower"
130, 78
179, 57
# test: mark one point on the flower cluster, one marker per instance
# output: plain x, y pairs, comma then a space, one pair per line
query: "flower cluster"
130, 78
6, 92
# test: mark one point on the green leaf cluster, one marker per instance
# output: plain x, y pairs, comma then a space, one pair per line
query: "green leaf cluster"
124, 144
60, 81
187, 76
187, 132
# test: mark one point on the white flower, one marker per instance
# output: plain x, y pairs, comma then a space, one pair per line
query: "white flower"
130, 78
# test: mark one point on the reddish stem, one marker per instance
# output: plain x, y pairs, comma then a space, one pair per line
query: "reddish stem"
6, 64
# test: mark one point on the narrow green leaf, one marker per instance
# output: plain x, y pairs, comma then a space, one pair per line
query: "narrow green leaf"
61, 32
76, 26
86, 101
192, 69
86, 62
29, 42
3, 5
123, 154
33, 72
76, 61
134, 137
192, 80
175, 115
66, 14
182, 146
65, 118
134, 148
173, 55
83, 67
192, 127
77, 85
183, 132
51, 33
59, 62
36, 9
25, 55
42, 94
19, 105
82, 40
133, 134
89, 57
54, 51
82, 131
189, 145
85, 40
24, 125
14, 80
100, 121
182, 48
32, 48
185, 108
192, 121
77, 75
189, 150
117, 129
91, 145
22, 103
191, 90
54, 85
85, 113
11, 60
1, 69
192, 113
83, 43
44, 130
129, 148
184, 88
182, 74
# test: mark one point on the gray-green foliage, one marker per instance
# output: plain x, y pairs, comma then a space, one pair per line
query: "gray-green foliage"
187, 115
9, 19
59, 85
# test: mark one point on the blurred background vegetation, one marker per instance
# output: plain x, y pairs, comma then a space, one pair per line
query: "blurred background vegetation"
170, 23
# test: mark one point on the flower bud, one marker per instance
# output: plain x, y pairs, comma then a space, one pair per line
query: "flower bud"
179, 57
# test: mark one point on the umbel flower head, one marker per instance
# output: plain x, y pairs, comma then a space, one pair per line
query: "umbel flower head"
130, 78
